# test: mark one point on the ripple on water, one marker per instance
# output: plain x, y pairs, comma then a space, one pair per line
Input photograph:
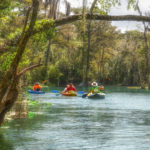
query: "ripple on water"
119, 122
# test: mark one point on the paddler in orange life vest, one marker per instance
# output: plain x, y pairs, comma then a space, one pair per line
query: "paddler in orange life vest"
37, 87
101, 87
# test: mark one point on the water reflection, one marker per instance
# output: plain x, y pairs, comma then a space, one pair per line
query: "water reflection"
120, 122
5, 143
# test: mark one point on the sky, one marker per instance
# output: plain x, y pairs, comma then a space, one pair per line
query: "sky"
122, 10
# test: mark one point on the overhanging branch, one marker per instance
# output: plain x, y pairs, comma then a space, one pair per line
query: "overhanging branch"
28, 68
73, 18
70, 19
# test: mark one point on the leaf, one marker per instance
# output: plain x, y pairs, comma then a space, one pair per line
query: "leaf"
31, 115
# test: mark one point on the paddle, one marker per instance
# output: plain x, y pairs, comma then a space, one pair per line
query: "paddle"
56, 91
84, 95
44, 81
80, 92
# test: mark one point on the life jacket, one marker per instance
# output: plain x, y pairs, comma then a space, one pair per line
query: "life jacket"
71, 89
37, 86
101, 88
95, 89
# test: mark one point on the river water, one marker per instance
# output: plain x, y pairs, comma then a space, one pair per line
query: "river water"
121, 121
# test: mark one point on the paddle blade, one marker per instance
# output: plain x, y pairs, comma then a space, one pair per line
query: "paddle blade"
81, 92
84, 95
58, 94
55, 91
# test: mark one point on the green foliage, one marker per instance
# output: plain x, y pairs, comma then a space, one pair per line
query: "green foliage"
6, 60
31, 115
132, 3
15, 34
4, 7
54, 74
51, 32
105, 5
43, 23
114, 54
25, 62
4, 4
7, 7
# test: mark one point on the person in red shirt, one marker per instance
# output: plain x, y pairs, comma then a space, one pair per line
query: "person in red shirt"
37, 87
71, 87
65, 90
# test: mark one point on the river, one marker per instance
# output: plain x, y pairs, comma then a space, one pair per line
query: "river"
121, 121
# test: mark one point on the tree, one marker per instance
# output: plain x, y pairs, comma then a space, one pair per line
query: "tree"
146, 45
8, 87
89, 42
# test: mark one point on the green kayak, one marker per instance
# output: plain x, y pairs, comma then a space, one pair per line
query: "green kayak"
96, 96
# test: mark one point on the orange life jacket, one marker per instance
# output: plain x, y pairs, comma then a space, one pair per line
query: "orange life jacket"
37, 86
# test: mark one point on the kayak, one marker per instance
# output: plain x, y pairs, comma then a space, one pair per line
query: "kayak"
96, 96
69, 93
36, 92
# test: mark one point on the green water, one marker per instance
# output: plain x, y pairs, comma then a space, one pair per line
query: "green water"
121, 121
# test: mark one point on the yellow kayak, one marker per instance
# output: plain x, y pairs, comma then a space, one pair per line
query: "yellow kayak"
69, 93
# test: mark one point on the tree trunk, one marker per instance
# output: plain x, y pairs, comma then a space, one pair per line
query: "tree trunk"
102, 65
82, 65
47, 56
148, 55
99, 67
88, 54
89, 44
8, 87
147, 46
140, 76
9, 99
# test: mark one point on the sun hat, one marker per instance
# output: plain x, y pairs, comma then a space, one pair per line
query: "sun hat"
94, 84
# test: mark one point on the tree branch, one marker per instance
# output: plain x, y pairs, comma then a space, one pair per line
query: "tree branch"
93, 5
70, 19
27, 69
139, 11
26, 19
11, 73
73, 18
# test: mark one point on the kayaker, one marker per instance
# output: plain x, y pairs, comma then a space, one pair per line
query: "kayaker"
71, 87
101, 87
95, 88
65, 90
37, 87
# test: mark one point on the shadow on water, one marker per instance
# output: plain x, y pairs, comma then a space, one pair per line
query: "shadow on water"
5, 144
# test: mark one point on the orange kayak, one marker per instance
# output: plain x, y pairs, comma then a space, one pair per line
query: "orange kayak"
69, 93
